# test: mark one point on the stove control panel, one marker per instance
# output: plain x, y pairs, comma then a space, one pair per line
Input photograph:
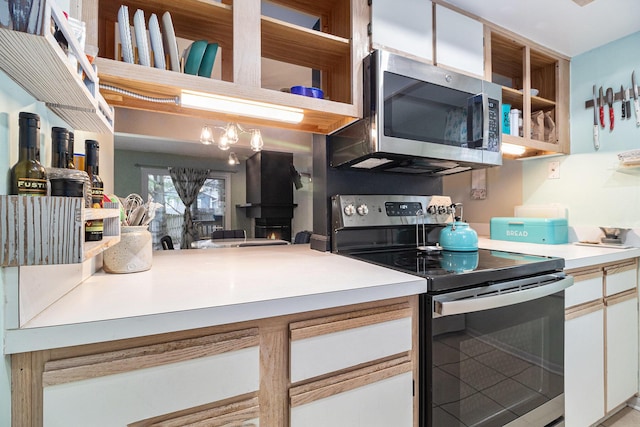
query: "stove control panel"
388, 210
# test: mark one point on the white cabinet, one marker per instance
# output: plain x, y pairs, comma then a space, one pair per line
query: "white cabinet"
405, 26
584, 367
171, 382
353, 369
459, 41
381, 403
601, 341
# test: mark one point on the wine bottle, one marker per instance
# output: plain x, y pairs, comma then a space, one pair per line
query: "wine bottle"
93, 228
59, 147
28, 176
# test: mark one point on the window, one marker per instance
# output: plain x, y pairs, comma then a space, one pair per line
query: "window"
210, 211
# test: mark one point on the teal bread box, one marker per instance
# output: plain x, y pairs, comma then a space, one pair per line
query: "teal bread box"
550, 231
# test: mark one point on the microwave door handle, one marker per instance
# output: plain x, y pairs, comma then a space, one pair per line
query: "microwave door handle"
485, 121
448, 308
472, 137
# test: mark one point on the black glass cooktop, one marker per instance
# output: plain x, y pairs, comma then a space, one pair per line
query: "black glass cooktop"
446, 270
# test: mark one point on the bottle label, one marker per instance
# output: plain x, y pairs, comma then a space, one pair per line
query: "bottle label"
96, 197
32, 187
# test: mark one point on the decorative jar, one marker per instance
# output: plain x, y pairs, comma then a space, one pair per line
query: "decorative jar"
132, 254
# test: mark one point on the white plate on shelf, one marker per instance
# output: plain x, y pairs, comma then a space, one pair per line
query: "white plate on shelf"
170, 42
156, 42
142, 43
125, 34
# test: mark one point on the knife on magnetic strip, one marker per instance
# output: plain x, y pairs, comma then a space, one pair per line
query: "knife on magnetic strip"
596, 139
636, 104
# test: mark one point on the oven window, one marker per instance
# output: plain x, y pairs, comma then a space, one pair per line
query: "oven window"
489, 368
422, 111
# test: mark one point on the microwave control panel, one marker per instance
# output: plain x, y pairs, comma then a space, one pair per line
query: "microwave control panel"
493, 142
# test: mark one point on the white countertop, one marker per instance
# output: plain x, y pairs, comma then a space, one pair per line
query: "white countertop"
575, 256
190, 289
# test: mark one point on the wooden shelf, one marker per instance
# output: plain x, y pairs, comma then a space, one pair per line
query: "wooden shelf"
50, 230
330, 51
321, 116
519, 66
38, 64
532, 147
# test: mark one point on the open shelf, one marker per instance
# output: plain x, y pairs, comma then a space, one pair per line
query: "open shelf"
328, 51
37, 63
50, 230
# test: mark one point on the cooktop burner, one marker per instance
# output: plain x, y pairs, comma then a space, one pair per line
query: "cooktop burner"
446, 270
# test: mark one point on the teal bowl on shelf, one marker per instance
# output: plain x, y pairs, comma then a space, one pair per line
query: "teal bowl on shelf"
208, 58
193, 57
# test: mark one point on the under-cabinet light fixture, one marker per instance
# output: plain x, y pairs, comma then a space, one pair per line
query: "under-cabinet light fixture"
240, 107
515, 150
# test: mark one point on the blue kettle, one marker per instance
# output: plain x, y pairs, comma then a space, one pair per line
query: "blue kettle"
457, 236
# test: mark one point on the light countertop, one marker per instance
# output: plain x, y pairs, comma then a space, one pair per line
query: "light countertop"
575, 256
199, 288
190, 289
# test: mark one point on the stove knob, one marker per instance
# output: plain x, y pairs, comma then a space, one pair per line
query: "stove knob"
442, 210
432, 210
349, 210
363, 210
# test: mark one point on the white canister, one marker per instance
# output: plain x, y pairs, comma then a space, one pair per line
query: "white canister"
132, 254
514, 122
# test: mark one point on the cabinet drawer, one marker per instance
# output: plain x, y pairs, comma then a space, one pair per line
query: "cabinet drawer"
587, 287
620, 277
329, 344
98, 390
380, 395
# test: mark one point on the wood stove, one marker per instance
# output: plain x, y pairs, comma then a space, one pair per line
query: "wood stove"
270, 194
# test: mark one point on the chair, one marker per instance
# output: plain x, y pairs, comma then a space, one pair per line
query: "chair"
302, 237
167, 243
228, 234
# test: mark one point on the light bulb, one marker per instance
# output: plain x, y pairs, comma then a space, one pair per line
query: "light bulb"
223, 144
233, 159
206, 137
256, 140
232, 133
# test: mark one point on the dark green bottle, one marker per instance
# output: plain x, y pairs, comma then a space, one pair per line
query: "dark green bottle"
59, 147
28, 176
94, 228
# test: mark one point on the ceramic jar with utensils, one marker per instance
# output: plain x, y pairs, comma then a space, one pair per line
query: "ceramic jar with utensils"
132, 254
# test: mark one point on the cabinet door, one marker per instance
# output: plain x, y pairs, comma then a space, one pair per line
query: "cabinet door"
405, 26
622, 348
459, 42
137, 384
584, 367
379, 396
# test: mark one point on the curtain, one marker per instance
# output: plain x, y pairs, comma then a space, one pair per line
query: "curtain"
188, 182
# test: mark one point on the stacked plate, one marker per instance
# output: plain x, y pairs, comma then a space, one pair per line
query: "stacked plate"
198, 57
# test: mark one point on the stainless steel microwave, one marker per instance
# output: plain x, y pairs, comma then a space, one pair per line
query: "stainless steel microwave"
419, 118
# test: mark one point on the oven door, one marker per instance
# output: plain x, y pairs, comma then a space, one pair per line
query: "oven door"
493, 356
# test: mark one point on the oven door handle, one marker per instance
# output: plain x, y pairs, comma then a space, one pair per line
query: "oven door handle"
448, 308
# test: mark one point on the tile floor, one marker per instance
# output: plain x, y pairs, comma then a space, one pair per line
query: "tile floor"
627, 417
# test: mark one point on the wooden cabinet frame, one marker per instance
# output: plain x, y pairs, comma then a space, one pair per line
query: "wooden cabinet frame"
31, 372
245, 37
